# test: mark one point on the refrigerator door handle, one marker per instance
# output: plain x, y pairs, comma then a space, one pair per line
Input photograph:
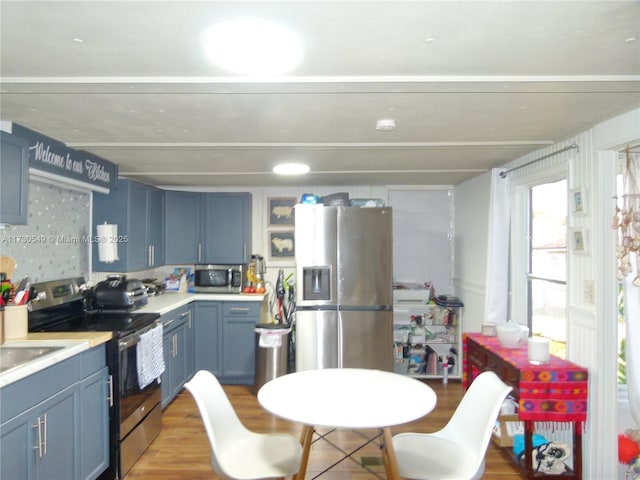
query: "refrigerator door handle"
340, 343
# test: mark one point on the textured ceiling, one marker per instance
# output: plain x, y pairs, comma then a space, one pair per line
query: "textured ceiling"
471, 85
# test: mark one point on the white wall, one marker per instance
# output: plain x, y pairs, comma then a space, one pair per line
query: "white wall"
592, 326
471, 200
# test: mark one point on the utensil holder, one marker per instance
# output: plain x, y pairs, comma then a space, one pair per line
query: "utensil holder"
16, 322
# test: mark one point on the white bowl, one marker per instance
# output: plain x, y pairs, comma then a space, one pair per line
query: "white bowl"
512, 335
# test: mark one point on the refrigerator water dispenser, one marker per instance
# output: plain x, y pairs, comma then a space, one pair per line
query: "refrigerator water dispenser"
316, 283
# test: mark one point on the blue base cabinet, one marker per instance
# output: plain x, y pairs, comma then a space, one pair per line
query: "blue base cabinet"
208, 337
239, 320
94, 420
52, 419
225, 340
177, 350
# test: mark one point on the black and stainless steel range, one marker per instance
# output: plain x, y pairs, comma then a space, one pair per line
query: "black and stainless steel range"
135, 415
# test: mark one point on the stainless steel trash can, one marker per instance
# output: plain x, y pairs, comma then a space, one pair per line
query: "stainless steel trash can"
272, 353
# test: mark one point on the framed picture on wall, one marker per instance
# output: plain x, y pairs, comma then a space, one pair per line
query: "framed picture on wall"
280, 212
578, 239
281, 245
578, 201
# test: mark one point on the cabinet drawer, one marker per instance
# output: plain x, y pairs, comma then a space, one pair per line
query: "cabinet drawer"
176, 317
241, 309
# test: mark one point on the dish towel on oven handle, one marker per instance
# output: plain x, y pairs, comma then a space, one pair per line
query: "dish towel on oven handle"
149, 356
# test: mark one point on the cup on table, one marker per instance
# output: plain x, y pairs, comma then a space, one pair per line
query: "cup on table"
538, 350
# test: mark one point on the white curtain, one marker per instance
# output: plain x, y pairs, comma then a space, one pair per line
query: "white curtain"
627, 221
632, 325
497, 281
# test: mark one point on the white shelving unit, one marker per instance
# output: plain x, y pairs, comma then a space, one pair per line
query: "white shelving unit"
426, 336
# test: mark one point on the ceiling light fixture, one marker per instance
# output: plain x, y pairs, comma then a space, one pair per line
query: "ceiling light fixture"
291, 169
252, 47
386, 125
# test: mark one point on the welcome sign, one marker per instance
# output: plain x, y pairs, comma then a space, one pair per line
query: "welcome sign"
52, 156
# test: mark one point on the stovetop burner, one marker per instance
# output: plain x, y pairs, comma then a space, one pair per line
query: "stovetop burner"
120, 323
64, 307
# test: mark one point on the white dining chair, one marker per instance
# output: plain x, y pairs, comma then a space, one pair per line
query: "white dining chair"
457, 451
236, 452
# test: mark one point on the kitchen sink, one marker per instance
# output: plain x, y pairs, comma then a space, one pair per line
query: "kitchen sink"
11, 357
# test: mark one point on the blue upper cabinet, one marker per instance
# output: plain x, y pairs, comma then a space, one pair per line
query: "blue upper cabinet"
14, 177
226, 228
138, 211
182, 227
207, 227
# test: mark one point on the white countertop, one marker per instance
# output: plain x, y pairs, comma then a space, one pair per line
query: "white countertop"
76, 342
168, 301
71, 348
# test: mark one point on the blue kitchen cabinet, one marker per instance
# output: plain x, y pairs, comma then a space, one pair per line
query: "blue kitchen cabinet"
94, 424
50, 419
39, 443
224, 339
207, 227
189, 341
238, 358
208, 337
182, 227
155, 227
138, 211
226, 228
176, 351
14, 178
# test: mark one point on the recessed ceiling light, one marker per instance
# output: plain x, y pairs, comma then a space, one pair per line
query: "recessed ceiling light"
291, 169
386, 125
252, 47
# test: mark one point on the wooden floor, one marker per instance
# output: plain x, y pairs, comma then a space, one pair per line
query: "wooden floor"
181, 452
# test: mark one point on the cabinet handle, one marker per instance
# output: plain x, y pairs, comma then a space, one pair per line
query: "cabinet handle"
39, 446
174, 340
110, 397
239, 309
166, 324
187, 314
153, 255
199, 252
45, 434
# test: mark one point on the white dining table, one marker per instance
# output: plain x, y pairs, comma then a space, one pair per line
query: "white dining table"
348, 398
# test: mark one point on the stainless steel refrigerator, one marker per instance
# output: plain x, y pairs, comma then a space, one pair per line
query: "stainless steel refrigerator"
344, 294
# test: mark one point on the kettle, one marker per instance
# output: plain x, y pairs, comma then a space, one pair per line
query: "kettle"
512, 335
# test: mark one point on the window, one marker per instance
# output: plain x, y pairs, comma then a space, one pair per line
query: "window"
547, 263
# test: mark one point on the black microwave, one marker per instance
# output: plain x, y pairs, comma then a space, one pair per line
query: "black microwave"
219, 278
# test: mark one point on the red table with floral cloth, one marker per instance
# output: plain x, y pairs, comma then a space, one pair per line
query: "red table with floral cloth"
554, 392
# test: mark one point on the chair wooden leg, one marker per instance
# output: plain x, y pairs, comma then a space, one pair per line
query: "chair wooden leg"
305, 439
389, 456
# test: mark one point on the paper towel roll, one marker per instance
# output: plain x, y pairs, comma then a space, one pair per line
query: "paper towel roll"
108, 243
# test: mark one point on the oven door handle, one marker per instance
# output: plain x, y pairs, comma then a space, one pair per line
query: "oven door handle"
134, 338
